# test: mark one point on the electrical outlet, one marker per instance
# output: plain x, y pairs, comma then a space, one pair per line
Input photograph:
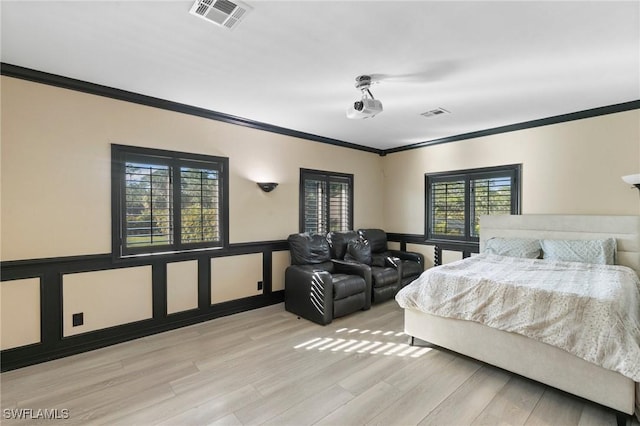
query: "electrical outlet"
259, 285
77, 319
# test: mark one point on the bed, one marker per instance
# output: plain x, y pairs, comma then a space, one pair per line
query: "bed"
531, 358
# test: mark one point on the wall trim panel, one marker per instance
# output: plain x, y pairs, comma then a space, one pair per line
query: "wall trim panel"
51, 270
466, 248
38, 353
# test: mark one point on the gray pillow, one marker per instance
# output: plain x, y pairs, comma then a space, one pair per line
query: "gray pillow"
602, 252
513, 247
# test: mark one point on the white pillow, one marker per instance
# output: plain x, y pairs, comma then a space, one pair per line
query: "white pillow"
513, 247
602, 252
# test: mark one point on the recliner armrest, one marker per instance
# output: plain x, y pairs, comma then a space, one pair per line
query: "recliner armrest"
409, 255
395, 263
352, 268
309, 293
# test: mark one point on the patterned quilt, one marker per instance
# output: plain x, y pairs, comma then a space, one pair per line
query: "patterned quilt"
591, 311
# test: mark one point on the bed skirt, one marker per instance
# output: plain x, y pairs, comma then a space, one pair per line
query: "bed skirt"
527, 357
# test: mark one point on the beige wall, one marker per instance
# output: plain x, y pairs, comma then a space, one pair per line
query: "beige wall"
19, 312
235, 277
568, 168
106, 298
55, 200
56, 173
56, 169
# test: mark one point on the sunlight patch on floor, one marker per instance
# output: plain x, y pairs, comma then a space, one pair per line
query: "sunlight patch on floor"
362, 346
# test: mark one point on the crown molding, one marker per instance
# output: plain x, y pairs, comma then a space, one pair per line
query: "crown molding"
36, 76
579, 115
23, 73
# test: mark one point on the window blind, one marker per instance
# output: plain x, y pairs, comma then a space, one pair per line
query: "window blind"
326, 201
200, 205
489, 197
165, 201
148, 194
456, 200
448, 208
339, 204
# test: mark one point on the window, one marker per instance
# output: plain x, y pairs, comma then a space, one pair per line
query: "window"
166, 201
456, 200
326, 201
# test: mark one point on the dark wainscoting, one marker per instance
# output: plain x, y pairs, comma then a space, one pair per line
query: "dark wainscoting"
464, 247
53, 345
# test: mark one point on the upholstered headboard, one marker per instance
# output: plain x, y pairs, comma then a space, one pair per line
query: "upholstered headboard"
625, 229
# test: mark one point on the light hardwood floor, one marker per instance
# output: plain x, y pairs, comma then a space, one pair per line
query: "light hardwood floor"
269, 367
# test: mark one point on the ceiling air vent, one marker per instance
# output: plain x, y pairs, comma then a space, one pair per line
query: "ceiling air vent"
434, 112
221, 12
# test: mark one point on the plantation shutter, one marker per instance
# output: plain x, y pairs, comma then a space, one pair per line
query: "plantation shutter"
339, 204
200, 205
315, 205
166, 201
148, 212
456, 200
326, 202
448, 208
490, 196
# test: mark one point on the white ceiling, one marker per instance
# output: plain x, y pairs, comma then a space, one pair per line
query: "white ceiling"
292, 64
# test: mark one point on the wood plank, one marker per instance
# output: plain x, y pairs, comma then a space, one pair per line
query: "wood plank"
470, 399
215, 408
289, 390
268, 366
592, 416
228, 420
515, 402
314, 408
556, 408
111, 392
363, 407
430, 390
105, 414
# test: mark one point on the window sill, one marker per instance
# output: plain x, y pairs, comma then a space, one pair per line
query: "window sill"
472, 246
168, 253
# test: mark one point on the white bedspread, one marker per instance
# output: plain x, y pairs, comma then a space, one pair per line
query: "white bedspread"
591, 311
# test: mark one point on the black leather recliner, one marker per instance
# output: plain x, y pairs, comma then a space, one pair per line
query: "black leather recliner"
318, 288
386, 270
412, 262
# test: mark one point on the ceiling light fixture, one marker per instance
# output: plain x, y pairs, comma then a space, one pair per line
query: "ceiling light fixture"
368, 106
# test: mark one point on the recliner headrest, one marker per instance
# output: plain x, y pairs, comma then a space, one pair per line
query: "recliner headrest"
359, 251
308, 248
338, 242
377, 239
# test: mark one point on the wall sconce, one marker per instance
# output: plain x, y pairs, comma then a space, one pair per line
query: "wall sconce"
267, 186
632, 180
